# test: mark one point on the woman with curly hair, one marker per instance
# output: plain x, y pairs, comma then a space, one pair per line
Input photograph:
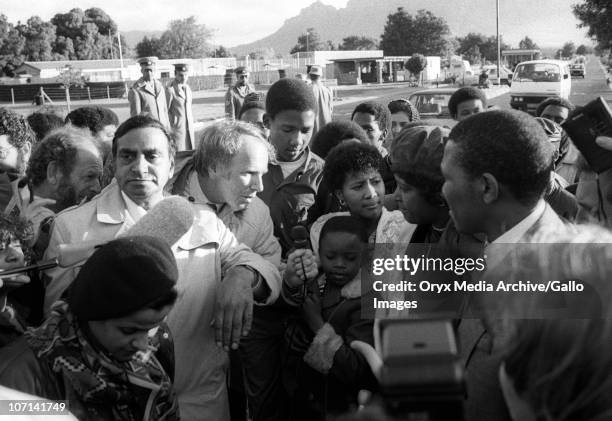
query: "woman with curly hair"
353, 174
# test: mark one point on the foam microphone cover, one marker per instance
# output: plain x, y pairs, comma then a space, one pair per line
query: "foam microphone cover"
169, 220
299, 235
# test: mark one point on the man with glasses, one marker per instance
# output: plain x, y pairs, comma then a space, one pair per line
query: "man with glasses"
234, 98
16, 140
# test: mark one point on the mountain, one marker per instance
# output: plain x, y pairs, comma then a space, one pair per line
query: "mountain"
134, 37
368, 18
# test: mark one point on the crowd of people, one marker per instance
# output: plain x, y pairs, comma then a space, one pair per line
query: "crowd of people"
250, 306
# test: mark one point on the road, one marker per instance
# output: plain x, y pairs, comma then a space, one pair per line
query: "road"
583, 90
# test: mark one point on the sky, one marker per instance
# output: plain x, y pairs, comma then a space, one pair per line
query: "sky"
241, 21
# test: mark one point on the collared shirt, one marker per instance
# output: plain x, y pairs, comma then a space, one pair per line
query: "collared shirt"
135, 211
514, 234
290, 198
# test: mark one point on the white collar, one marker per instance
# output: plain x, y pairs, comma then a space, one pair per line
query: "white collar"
514, 234
135, 211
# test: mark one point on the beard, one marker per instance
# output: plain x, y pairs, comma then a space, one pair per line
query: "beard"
68, 196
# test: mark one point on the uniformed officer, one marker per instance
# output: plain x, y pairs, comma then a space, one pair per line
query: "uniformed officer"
324, 98
234, 98
147, 95
179, 97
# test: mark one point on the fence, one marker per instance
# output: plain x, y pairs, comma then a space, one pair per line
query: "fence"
56, 92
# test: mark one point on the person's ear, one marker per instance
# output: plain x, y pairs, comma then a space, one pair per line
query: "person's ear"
266, 121
53, 173
340, 197
489, 188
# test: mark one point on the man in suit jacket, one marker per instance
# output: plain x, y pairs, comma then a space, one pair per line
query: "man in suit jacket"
179, 97
496, 168
147, 95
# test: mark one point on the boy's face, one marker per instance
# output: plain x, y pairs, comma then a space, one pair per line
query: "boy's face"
290, 133
340, 254
468, 108
368, 123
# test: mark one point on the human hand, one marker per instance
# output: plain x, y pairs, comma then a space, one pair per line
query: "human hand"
604, 142
301, 267
311, 311
233, 307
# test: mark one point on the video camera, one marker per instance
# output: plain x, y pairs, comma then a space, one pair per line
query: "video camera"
419, 370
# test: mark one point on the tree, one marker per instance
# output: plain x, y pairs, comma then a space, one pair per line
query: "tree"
596, 15
528, 44
92, 33
39, 38
405, 35
397, 31
11, 47
355, 42
221, 51
310, 41
149, 47
416, 64
185, 38
487, 47
429, 33
568, 49
583, 50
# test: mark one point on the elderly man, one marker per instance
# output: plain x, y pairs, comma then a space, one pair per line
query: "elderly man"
234, 98
179, 97
147, 95
16, 141
226, 172
65, 170
210, 316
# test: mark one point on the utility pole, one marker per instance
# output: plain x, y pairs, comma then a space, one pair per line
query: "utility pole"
498, 43
110, 37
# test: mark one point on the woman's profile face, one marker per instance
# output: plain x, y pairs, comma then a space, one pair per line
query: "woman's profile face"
363, 192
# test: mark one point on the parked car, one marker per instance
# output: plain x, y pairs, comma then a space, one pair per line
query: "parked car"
578, 69
433, 104
505, 74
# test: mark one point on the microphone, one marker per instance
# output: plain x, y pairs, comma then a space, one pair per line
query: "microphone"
299, 236
169, 220
45, 264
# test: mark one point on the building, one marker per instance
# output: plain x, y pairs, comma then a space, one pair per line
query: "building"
118, 70
515, 56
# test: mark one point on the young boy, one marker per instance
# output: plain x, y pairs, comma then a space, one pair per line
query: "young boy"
465, 102
290, 185
330, 370
375, 119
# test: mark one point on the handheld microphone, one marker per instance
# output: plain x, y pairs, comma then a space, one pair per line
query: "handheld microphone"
169, 220
299, 236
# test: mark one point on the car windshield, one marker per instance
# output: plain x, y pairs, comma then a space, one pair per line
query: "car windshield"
538, 72
433, 103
